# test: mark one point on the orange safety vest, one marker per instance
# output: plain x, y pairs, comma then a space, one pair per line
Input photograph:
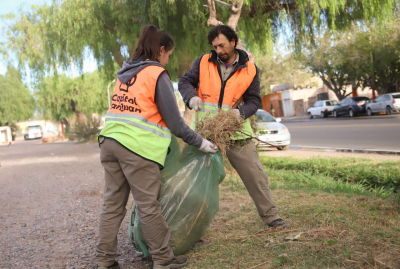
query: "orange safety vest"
133, 118
136, 97
211, 87
236, 85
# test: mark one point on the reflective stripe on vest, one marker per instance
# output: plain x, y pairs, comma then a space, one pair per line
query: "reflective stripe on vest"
210, 88
133, 118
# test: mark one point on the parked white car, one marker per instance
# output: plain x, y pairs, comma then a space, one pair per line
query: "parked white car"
33, 132
270, 130
384, 103
322, 108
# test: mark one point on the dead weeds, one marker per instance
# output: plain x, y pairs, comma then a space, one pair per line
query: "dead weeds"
327, 231
219, 129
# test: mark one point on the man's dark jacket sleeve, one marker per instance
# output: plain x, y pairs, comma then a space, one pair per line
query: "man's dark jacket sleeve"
190, 81
251, 98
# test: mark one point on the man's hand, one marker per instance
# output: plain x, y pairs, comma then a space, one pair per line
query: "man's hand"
237, 111
208, 147
195, 103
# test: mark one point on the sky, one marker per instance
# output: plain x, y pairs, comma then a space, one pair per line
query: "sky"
12, 6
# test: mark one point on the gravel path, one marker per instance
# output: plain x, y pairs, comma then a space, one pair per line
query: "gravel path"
50, 208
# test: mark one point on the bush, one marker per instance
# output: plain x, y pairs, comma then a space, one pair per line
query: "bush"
88, 130
14, 130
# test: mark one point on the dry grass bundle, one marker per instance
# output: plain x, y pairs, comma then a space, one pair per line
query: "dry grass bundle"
220, 128
253, 124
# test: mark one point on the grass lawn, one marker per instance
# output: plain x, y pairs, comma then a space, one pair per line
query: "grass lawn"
335, 222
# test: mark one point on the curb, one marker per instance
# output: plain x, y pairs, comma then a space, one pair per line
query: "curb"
294, 118
377, 151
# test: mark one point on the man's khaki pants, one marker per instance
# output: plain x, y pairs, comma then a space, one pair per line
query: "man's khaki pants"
245, 160
124, 172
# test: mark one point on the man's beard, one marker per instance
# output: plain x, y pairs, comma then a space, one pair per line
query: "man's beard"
224, 57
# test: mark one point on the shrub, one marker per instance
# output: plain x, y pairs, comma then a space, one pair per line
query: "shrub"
88, 130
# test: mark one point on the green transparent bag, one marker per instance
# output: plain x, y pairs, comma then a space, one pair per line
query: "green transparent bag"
189, 197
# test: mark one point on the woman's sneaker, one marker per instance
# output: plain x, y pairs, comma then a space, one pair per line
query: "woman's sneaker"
176, 262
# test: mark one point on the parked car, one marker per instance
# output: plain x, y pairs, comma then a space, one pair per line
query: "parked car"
270, 130
32, 132
351, 106
384, 103
322, 108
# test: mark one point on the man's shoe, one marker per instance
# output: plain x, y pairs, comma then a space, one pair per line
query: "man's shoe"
176, 262
115, 265
279, 222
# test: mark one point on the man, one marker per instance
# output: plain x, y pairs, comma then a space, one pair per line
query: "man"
223, 78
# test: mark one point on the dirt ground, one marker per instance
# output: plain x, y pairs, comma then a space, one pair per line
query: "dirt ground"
50, 202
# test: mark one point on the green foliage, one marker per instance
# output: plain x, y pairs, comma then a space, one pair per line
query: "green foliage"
16, 101
14, 130
327, 57
375, 56
50, 37
278, 70
368, 56
59, 97
88, 130
381, 177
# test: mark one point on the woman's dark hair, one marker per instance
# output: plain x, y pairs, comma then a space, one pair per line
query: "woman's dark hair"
222, 29
150, 41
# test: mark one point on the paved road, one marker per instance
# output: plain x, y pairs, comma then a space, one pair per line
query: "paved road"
32, 149
379, 132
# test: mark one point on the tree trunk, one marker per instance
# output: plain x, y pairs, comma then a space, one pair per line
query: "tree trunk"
235, 14
62, 130
212, 20
338, 90
78, 117
118, 56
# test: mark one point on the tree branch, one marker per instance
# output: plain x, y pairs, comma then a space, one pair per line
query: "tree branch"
235, 14
278, 5
109, 28
212, 20
252, 137
131, 51
118, 56
116, 6
222, 2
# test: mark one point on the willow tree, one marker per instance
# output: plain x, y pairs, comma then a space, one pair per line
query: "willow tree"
48, 38
16, 101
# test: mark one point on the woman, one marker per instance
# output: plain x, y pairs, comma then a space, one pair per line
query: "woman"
134, 143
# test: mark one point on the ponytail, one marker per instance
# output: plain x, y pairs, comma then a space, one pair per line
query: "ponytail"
150, 41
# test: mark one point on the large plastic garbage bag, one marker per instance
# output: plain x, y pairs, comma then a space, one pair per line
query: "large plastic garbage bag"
189, 197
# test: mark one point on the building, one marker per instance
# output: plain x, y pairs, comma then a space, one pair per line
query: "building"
284, 101
5, 135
